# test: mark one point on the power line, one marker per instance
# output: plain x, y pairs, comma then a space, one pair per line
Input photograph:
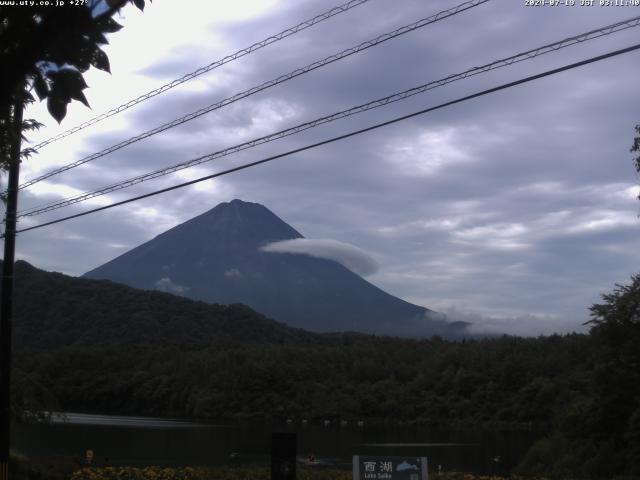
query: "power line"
207, 68
271, 83
346, 135
616, 27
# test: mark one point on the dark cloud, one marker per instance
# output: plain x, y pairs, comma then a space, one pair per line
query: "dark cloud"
518, 206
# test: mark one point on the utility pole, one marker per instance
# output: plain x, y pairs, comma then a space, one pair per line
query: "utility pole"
6, 300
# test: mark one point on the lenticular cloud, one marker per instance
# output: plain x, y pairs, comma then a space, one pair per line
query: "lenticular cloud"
349, 256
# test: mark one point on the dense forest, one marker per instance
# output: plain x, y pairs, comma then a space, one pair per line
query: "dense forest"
149, 353
510, 381
69, 311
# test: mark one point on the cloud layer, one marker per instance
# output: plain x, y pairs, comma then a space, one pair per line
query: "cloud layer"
349, 256
519, 205
165, 284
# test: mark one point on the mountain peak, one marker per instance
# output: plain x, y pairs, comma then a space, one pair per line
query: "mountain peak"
217, 257
236, 222
237, 204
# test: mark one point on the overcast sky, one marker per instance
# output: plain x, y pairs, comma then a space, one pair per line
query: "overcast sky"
515, 210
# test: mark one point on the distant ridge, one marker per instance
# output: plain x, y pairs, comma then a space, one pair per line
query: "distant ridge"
53, 310
216, 257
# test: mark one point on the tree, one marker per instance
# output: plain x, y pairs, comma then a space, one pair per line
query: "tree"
46, 49
43, 48
598, 435
50, 47
616, 381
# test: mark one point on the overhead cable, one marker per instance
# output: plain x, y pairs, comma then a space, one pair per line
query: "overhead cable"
335, 116
207, 68
271, 83
344, 136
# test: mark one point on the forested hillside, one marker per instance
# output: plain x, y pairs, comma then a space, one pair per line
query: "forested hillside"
507, 381
99, 347
54, 310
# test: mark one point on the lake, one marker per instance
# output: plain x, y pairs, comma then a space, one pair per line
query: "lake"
118, 440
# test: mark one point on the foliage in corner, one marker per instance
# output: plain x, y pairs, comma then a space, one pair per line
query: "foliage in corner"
616, 382
598, 434
47, 49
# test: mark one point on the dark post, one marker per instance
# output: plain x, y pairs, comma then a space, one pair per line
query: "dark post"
6, 301
283, 456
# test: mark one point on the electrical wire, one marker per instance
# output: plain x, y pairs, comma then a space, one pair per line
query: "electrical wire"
207, 68
344, 136
271, 83
590, 35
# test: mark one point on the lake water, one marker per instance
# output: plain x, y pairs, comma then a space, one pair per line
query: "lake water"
149, 441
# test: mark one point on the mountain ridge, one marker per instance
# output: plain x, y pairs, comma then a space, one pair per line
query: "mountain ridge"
217, 257
54, 310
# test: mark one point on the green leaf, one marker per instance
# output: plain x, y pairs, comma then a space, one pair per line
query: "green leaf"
74, 79
67, 80
30, 124
41, 87
99, 38
109, 25
57, 107
79, 95
28, 98
68, 84
27, 152
100, 60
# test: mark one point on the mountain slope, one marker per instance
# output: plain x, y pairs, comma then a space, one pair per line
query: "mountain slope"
216, 257
54, 310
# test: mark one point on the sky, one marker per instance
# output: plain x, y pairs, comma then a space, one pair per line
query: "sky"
514, 211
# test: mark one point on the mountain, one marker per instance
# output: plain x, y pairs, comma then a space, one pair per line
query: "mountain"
216, 257
54, 310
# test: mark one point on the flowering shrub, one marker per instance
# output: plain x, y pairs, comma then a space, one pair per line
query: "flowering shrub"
189, 473
133, 473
